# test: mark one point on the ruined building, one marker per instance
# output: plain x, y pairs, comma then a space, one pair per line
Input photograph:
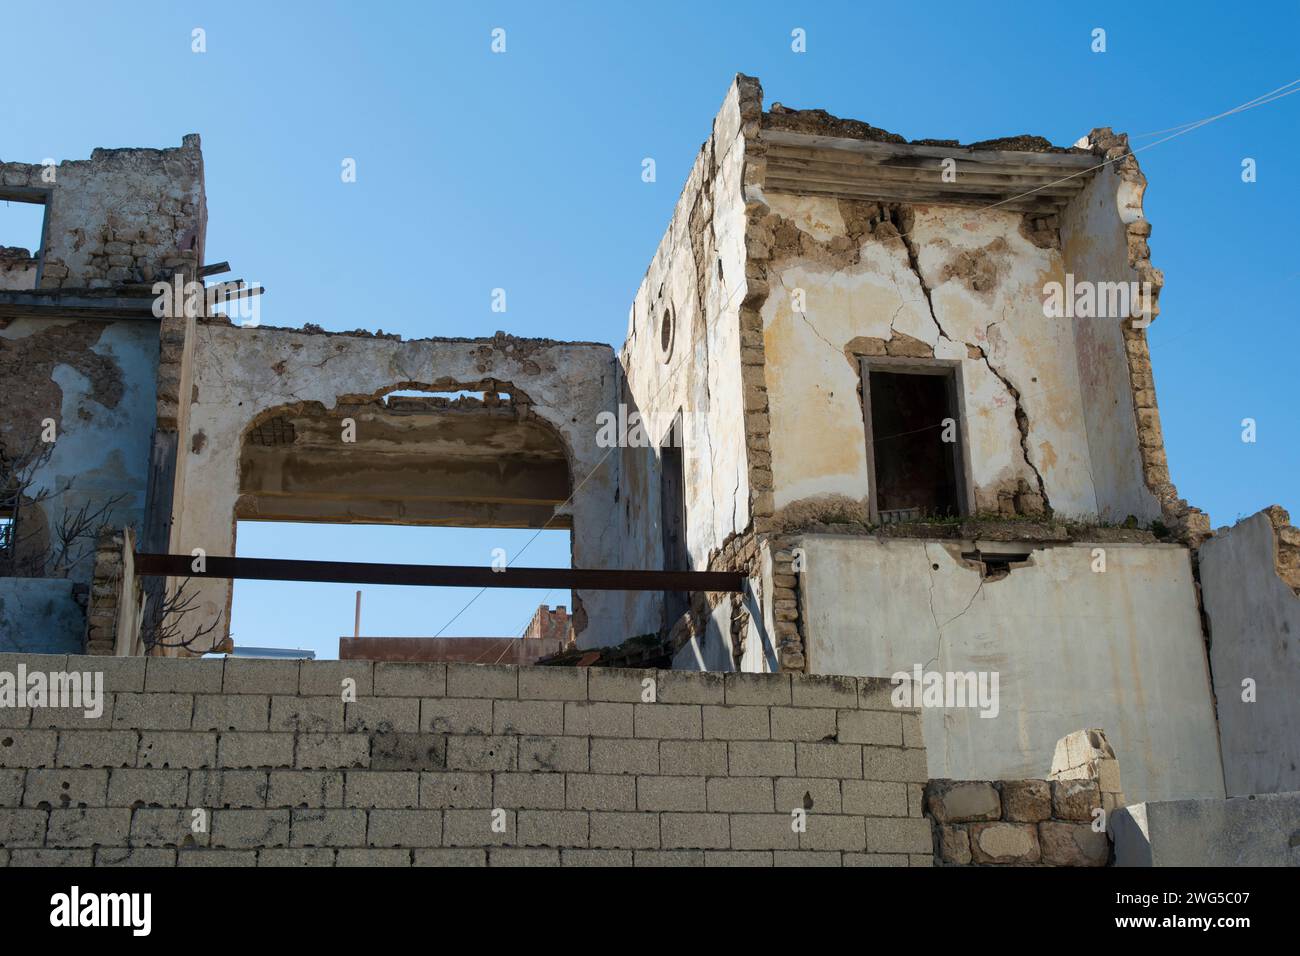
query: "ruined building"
903, 389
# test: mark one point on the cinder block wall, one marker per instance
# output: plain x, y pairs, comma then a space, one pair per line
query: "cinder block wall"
572, 765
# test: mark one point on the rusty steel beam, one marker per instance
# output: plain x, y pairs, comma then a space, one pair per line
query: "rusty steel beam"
435, 575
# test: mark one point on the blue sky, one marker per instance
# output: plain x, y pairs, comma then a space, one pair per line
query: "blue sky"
522, 171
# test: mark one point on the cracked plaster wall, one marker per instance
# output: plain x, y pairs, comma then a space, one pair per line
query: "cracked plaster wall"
242, 373
964, 285
1072, 648
698, 276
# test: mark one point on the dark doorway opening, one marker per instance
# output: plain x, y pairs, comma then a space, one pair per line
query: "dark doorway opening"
672, 517
914, 442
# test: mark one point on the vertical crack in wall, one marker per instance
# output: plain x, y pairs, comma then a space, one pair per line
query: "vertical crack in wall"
1022, 417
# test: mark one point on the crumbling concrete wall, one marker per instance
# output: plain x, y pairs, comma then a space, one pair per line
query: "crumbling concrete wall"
683, 353
245, 376
123, 215
18, 268
1249, 575
459, 765
42, 616
1104, 235
1070, 646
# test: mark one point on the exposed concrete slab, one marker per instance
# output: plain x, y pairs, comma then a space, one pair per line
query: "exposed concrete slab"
1121, 650
1260, 830
1254, 636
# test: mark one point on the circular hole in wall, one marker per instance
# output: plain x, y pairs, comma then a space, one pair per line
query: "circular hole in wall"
666, 333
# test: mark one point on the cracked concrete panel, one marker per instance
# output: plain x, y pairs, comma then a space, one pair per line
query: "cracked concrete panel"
244, 377
1095, 242
1071, 648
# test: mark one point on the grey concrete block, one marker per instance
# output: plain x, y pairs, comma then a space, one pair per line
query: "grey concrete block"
455, 790
704, 831
554, 754
450, 857
624, 756
619, 684
183, 675
761, 689
24, 827
820, 795
553, 683
11, 787
829, 760
332, 751
234, 859
537, 717
668, 858
743, 795
763, 831
741, 858
625, 831
823, 690
551, 828
95, 748
383, 715
597, 719
411, 679
255, 750
802, 723
873, 798
691, 687
476, 828
736, 723
580, 857
326, 679
890, 763
515, 856
311, 715
482, 753
536, 791
235, 789
48, 857
391, 788
372, 857
826, 832
244, 675
899, 835
699, 758
66, 788
600, 791
175, 749
296, 856
327, 828
497, 681
29, 748
135, 855
870, 727
408, 751
456, 715
166, 827
243, 712
253, 829
757, 758
816, 858
670, 793
668, 721
305, 788
98, 826
876, 859
128, 787
122, 675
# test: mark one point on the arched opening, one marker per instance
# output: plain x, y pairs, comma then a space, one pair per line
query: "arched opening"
451, 456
